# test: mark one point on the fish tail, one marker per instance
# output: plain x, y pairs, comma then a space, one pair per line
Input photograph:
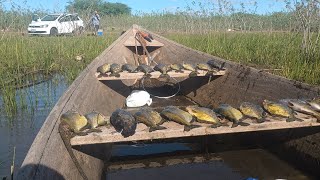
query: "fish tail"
94, 130
243, 123
291, 119
156, 128
192, 126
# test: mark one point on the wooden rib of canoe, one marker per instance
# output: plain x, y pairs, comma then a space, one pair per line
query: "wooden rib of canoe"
48, 157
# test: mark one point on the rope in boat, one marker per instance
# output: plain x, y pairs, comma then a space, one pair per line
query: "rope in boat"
162, 97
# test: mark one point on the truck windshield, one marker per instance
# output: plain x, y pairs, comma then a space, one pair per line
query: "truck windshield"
50, 17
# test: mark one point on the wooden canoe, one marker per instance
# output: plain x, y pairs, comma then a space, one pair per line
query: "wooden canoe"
48, 157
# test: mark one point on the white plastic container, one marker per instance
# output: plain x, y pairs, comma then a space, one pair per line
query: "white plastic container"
138, 99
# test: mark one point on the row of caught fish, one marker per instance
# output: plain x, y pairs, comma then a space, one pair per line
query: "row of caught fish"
114, 69
77, 122
125, 123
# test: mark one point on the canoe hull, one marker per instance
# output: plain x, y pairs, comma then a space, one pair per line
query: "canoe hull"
48, 158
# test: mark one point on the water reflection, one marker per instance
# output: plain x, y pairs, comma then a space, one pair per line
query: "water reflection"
19, 131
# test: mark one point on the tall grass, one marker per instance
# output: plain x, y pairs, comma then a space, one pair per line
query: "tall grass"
26, 58
263, 50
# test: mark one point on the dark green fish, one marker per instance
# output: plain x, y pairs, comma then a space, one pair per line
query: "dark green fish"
129, 67
190, 67
205, 115
232, 114
103, 69
216, 64
123, 122
115, 70
164, 69
145, 69
177, 115
177, 67
253, 111
150, 118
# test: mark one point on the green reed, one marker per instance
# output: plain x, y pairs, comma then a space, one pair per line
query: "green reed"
279, 51
30, 56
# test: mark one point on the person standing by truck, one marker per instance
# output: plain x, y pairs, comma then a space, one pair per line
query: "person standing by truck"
95, 20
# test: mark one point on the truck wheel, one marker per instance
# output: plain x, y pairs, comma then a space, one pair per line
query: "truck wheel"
53, 31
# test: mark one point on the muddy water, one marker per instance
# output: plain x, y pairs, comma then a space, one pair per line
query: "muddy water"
20, 130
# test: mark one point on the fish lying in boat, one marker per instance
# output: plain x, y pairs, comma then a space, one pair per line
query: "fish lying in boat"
164, 69
96, 119
190, 67
304, 108
205, 115
123, 122
175, 114
75, 121
129, 67
206, 67
279, 109
177, 67
145, 69
115, 70
315, 104
216, 64
253, 111
104, 68
150, 118
232, 114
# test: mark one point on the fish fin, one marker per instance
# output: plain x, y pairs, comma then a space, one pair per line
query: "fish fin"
162, 121
299, 120
147, 75
261, 120
193, 74
209, 73
222, 66
156, 128
165, 76
243, 123
234, 125
94, 130
192, 126
290, 119
79, 133
215, 125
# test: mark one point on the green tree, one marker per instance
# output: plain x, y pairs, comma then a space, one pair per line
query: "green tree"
104, 8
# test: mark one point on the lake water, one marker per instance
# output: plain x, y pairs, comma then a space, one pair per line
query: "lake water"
19, 132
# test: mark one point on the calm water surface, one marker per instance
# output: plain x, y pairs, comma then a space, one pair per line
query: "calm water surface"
20, 130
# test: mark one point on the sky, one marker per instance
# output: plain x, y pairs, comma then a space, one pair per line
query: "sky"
147, 6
